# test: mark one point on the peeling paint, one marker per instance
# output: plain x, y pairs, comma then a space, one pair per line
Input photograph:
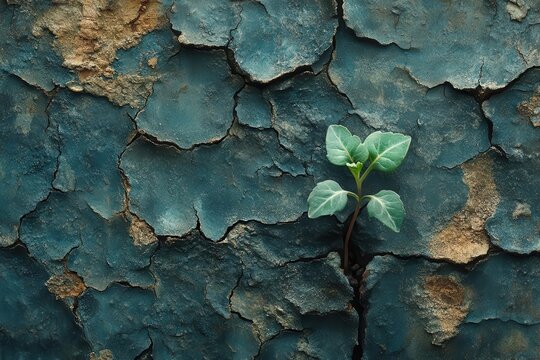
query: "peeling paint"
68, 284
468, 44
141, 233
185, 200
92, 35
156, 156
294, 34
191, 81
443, 305
465, 238
517, 9
488, 311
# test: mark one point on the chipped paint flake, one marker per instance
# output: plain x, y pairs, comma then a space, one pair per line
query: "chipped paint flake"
68, 284
517, 9
141, 233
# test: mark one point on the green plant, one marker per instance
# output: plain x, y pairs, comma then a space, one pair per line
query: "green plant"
385, 151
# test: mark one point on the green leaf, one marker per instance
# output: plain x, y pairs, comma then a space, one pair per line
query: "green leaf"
326, 198
342, 147
387, 149
386, 206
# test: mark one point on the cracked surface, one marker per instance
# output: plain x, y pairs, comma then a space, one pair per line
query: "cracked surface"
194, 100
292, 34
157, 156
467, 44
439, 303
174, 189
29, 150
464, 237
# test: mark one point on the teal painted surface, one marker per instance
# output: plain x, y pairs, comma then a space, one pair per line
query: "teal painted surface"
481, 43
494, 323
154, 195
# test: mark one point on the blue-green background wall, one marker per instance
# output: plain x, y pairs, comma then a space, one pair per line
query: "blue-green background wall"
156, 157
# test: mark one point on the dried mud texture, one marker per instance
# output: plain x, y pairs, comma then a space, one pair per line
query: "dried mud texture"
464, 238
443, 304
68, 284
531, 108
89, 33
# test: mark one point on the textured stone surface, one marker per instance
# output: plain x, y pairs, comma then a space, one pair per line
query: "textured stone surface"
25, 55
126, 336
194, 100
157, 155
205, 22
421, 304
29, 150
276, 37
253, 109
198, 323
515, 114
34, 325
93, 133
469, 44
174, 190
101, 251
514, 226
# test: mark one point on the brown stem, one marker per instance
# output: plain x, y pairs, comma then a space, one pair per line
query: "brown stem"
348, 237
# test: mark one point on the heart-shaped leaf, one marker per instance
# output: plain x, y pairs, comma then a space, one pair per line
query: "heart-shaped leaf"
326, 198
387, 149
342, 147
386, 206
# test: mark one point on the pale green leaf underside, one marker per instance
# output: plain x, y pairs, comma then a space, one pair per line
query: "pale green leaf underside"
326, 198
386, 206
387, 149
342, 147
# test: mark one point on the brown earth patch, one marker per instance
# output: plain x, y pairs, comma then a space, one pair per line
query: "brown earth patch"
443, 304
88, 34
68, 284
141, 233
464, 237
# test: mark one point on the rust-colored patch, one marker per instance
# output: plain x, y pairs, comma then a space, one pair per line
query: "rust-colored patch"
141, 233
88, 34
531, 108
68, 284
443, 305
464, 237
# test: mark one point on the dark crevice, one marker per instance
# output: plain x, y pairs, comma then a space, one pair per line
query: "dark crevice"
237, 313
246, 222
483, 94
146, 354
309, 258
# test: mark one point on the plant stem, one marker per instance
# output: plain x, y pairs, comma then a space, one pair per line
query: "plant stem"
348, 238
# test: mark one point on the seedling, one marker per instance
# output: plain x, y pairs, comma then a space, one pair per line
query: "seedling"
385, 151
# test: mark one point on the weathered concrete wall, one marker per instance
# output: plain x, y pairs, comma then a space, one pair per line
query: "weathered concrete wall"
156, 158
